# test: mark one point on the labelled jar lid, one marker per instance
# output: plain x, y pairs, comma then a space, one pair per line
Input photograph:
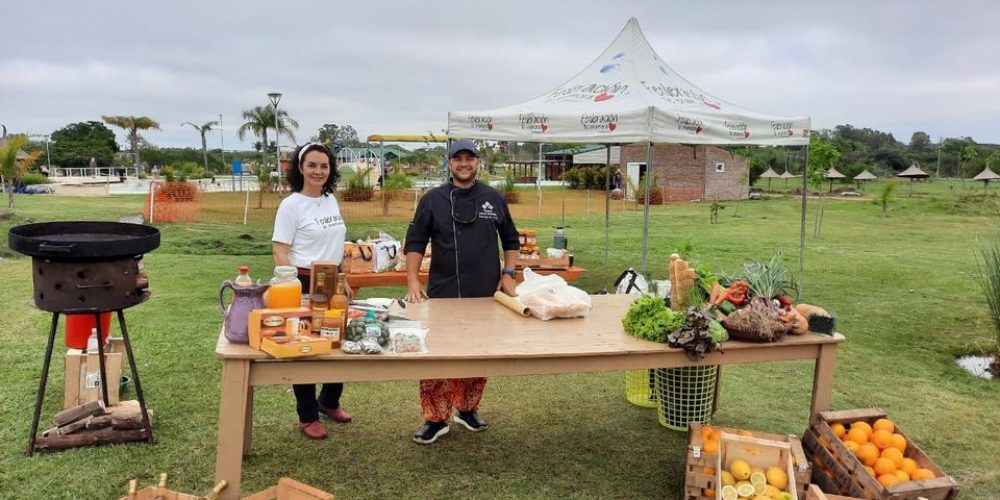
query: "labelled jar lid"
286, 270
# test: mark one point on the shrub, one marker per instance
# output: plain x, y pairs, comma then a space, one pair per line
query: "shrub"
33, 178
572, 177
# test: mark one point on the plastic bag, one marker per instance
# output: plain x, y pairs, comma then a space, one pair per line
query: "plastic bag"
631, 282
406, 337
387, 252
550, 297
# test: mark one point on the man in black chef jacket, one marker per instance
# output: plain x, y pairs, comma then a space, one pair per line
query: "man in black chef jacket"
462, 220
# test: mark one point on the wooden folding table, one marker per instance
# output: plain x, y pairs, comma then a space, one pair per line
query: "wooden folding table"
479, 338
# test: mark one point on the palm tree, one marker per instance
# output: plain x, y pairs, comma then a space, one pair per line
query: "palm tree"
11, 165
203, 129
132, 125
258, 119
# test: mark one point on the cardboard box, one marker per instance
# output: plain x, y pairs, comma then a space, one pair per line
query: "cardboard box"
696, 479
82, 374
838, 470
306, 345
269, 322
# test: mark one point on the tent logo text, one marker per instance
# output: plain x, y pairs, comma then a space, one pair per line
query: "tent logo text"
740, 129
781, 129
606, 122
534, 122
481, 122
692, 125
597, 92
679, 95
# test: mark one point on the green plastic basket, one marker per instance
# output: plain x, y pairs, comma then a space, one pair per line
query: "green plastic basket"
639, 388
685, 395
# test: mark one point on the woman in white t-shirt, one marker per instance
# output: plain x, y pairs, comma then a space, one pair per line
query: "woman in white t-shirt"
307, 228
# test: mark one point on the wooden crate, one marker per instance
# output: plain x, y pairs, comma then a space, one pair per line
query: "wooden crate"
290, 489
814, 493
762, 453
82, 374
836, 469
697, 479
544, 263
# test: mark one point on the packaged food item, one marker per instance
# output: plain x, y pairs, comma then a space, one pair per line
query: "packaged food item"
243, 279
332, 326
286, 289
271, 322
407, 337
319, 302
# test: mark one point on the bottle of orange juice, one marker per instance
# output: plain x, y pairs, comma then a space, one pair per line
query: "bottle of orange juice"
286, 289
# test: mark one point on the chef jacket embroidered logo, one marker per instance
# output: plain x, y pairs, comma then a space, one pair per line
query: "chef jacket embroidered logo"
486, 211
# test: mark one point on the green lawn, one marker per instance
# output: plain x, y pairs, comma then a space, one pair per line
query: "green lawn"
903, 288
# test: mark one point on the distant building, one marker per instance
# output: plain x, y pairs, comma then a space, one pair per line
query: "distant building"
690, 172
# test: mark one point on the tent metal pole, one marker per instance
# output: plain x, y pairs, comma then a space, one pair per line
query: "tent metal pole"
802, 233
645, 214
607, 202
538, 179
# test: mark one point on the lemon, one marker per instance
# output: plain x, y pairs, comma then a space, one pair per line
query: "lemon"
784, 495
777, 478
727, 479
729, 492
755, 470
740, 469
745, 489
760, 489
758, 477
772, 491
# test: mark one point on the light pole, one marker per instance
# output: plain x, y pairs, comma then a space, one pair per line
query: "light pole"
48, 157
275, 97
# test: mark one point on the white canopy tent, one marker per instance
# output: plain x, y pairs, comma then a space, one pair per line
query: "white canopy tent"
627, 95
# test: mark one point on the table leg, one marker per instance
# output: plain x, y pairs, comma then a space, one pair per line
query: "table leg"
248, 425
234, 425
826, 364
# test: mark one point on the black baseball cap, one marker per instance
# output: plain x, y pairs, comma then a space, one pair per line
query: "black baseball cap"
463, 145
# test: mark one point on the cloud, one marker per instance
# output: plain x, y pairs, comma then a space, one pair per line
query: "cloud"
399, 67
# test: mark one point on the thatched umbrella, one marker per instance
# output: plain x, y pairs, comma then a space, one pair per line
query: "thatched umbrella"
911, 173
769, 174
865, 175
834, 174
986, 176
787, 175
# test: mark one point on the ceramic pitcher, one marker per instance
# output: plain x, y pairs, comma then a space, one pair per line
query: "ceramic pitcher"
245, 299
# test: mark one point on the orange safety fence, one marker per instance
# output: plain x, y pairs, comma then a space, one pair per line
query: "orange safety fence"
172, 203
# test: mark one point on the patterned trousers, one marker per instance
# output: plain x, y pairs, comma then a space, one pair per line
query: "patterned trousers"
439, 396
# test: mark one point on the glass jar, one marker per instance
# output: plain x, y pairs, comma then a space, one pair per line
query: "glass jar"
286, 289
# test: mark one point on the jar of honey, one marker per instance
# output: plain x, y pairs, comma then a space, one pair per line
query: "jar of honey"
286, 289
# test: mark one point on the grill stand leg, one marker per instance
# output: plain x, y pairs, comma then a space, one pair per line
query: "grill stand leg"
41, 385
100, 360
135, 375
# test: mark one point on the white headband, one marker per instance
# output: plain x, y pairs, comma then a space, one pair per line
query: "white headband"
305, 148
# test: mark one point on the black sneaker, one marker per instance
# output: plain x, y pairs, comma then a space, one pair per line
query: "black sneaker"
430, 432
471, 421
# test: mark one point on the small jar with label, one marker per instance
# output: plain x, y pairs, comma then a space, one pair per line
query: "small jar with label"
332, 327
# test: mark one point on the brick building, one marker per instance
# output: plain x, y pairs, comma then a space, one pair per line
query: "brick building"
690, 172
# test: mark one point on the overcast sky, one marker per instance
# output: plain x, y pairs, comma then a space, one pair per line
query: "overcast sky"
397, 66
